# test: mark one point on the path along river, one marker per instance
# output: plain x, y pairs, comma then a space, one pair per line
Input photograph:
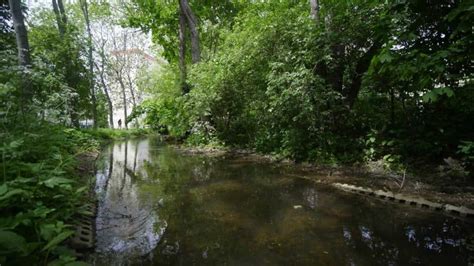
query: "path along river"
159, 206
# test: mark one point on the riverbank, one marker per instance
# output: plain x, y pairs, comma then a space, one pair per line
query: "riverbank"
411, 186
48, 181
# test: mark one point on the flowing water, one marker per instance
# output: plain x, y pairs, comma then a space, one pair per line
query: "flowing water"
158, 206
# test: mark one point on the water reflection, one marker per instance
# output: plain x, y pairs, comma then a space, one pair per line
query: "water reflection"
311, 197
126, 224
160, 207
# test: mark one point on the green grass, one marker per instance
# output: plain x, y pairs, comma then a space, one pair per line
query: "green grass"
116, 134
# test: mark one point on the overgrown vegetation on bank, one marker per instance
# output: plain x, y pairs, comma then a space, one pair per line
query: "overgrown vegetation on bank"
48, 91
347, 82
43, 189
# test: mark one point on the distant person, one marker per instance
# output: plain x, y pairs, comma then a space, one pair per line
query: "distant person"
120, 123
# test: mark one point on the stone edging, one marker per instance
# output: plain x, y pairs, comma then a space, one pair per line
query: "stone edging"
405, 199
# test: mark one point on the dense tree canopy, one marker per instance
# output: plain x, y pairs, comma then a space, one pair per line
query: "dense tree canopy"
362, 80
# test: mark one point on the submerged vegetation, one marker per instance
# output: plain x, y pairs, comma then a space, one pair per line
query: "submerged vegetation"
387, 84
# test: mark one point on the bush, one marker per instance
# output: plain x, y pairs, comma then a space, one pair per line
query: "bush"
40, 192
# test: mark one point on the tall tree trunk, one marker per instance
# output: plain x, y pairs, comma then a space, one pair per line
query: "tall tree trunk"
192, 24
20, 32
132, 93
23, 47
63, 11
182, 49
109, 103
85, 12
101, 70
336, 77
124, 98
362, 66
315, 10
59, 20
107, 94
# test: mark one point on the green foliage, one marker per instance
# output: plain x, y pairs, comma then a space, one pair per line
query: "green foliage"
41, 191
260, 89
161, 18
62, 85
466, 149
165, 111
370, 81
466, 153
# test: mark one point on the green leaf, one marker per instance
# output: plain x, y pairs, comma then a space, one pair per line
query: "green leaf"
42, 211
433, 95
58, 239
385, 57
56, 181
47, 231
15, 144
430, 97
449, 92
11, 242
81, 190
12, 193
3, 189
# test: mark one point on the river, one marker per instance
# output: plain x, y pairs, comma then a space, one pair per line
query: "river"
160, 206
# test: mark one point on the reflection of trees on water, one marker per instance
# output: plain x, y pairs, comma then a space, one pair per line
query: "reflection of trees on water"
425, 242
125, 224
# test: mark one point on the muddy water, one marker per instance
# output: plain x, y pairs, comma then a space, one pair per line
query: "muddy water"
158, 206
